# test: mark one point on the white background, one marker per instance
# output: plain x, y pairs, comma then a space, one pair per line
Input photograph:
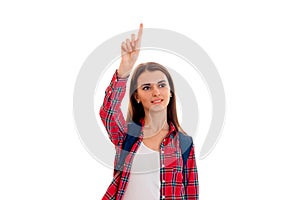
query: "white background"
254, 45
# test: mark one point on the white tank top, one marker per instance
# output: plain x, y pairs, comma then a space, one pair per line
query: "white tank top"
144, 179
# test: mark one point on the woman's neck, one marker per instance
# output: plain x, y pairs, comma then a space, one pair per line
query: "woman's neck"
156, 122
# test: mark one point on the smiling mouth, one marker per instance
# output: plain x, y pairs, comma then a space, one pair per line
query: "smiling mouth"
157, 101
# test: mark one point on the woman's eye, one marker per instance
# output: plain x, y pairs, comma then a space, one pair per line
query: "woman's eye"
162, 85
146, 88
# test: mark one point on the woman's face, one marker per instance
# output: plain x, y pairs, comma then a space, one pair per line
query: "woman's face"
153, 91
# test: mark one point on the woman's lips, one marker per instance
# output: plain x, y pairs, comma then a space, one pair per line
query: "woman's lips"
157, 101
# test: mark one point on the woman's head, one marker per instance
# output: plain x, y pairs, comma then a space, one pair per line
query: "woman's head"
152, 89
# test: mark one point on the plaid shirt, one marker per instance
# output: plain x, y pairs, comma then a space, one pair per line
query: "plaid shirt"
175, 183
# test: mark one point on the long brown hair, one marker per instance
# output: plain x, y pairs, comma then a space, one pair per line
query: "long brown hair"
136, 110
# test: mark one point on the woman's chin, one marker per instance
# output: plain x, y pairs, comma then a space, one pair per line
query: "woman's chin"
156, 108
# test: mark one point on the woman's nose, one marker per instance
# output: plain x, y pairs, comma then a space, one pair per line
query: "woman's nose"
155, 91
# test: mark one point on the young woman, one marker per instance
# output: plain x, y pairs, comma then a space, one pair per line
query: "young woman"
155, 158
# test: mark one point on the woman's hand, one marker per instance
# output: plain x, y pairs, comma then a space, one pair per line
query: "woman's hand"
130, 50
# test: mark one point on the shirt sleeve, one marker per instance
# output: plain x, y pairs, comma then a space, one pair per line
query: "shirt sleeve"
190, 177
110, 111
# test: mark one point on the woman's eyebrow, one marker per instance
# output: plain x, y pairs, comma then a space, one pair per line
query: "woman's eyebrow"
162, 81
148, 84
145, 84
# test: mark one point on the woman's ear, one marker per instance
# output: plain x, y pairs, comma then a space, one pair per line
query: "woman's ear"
136, 97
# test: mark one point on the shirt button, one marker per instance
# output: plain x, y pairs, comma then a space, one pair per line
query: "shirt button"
163, 181
163, 197
109, 91
162, 152
162, 165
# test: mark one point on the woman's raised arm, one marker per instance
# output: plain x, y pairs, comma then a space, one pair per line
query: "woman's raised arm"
110, 112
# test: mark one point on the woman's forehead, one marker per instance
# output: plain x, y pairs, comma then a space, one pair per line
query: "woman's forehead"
151, 77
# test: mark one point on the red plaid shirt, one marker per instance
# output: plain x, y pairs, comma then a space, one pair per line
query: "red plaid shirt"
175, 183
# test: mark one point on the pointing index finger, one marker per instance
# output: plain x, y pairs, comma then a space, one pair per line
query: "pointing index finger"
140, 31
139, 36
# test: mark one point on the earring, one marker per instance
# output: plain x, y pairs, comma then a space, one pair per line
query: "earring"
138, 101
171, 95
